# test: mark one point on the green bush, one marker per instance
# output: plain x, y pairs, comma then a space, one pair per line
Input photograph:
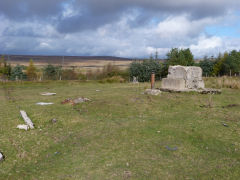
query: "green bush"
143, 70
107, 72
69, 74
17, 73
51, 72
207, 66
113, 79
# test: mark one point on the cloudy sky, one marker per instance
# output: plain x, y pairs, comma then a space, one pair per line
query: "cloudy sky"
126, 28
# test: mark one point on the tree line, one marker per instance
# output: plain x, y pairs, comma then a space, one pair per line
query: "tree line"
225, 64
109, 73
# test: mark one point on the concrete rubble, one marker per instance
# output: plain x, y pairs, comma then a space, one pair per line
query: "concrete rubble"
1, 157
153, 92
44, 103
48, 94
75, 101
23, 127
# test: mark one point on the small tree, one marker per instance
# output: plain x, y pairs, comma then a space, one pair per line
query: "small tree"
231, 65
51, 72
31, 71
17, 73
5, 68
218, 65
207, 66
182, 57
143, 70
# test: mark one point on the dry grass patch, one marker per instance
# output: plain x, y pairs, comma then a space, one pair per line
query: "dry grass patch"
223, 82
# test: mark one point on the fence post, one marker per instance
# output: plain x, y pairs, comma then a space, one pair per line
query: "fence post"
152, 80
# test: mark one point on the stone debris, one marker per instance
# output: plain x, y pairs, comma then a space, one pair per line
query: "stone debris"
135, 80
185, 79
75, 101
153, 92
44, 103
2, 157
53, 120
201, 91
23, 127
127, 174
224, 124
27, 119
68, 100
80, 100
171, 149
230, 106
209, 91
97, 90
48, 94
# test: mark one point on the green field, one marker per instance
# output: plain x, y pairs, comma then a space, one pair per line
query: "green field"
120, 134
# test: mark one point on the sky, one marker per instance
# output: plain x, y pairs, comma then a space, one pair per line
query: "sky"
123, 28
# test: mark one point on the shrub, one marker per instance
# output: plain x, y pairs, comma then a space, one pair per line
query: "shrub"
114, 79
143, 70
223, 82
69, 74
5, 68
31, 71
17, 73
207, 66
51, 72
107, 72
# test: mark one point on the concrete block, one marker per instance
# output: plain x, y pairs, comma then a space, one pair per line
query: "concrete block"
171, 83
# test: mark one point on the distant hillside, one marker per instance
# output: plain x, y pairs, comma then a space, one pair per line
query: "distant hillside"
60, 59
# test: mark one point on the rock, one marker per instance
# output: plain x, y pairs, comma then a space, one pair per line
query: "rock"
230, 106
80, 100
23, 126
48, 94
44, 103
209, 91
2, 157
171, 149
135, 80
154, 92
225, 125
53, 120
127, 174
68, 100
75, 101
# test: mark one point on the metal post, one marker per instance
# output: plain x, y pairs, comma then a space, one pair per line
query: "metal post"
152, 80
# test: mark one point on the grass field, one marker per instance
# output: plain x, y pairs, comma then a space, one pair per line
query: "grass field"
120, 134
78, 65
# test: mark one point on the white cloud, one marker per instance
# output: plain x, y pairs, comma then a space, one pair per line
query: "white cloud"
119, 38
207, 45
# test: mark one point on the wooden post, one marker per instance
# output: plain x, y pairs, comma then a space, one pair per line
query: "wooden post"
152, 80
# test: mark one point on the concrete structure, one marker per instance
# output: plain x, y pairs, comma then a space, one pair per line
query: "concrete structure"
183, 78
